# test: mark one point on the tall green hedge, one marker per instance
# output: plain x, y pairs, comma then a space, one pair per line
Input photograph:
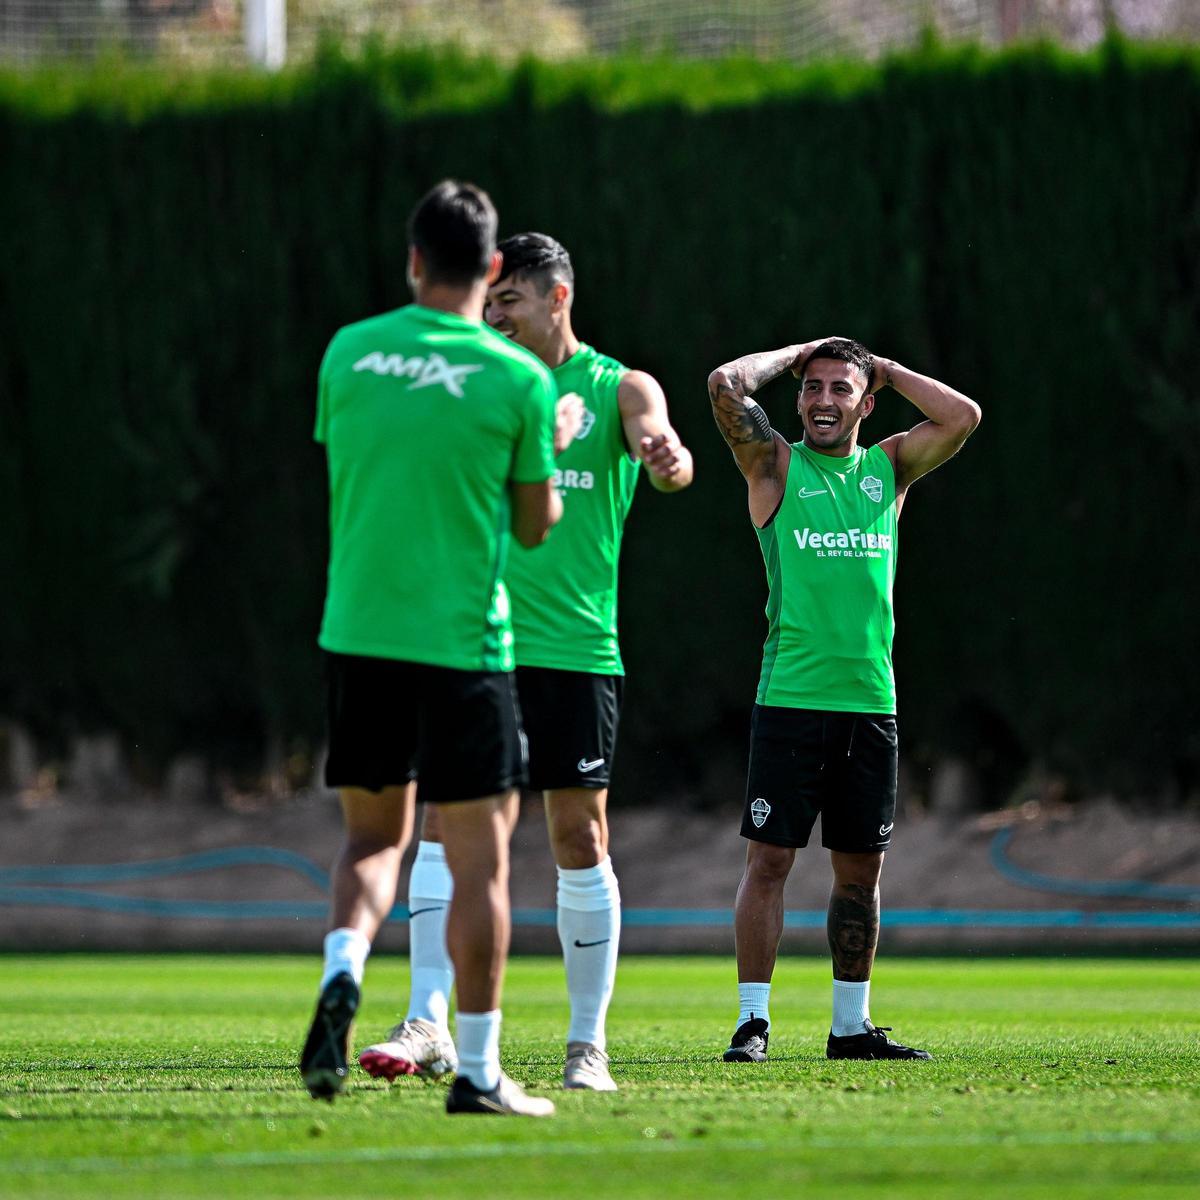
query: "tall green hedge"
177, 250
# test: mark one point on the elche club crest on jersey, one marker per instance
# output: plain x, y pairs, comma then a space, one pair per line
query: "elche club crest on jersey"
589, 417
760, 810
873, 486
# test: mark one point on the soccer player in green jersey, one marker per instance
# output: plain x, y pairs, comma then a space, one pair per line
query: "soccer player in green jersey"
439, 438
823, 734
569, 668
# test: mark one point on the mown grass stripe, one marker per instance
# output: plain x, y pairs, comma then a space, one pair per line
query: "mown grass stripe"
651, 1144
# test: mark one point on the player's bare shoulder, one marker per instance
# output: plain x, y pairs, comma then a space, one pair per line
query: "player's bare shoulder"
638, 392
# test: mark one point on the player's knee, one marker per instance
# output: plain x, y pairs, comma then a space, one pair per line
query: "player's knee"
369, 844
431, 824
769, 864
578, 845
857, 870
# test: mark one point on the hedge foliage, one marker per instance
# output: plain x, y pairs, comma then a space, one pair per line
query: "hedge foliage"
178, 249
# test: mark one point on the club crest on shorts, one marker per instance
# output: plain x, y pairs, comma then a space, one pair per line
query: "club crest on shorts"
873, 486
760, 810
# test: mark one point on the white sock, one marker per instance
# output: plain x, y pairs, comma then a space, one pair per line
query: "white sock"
754, 1000
851, 1007
589, 927
345, 950
478, 1040
430, 889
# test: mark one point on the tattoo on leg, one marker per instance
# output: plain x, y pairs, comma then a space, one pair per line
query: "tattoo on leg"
853, 929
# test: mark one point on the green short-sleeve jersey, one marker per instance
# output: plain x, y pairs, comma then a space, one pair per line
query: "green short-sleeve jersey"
427, 418
564, 594
830, 553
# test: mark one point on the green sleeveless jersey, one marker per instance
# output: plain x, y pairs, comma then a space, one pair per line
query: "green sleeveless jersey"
564, 593
830, 553
427, 419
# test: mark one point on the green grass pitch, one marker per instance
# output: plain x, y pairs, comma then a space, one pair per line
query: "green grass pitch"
175, 1076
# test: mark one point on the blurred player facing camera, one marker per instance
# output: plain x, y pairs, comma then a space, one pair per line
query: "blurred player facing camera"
569, 669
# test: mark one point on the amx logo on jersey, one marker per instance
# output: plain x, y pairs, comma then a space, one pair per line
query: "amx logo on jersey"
433, 371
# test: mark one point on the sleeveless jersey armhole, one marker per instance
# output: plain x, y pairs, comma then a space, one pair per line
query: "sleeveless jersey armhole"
775, 511
782, 492
887, 458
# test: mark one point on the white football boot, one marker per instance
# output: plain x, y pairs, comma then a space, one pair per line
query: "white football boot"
414, 1047
586, 1069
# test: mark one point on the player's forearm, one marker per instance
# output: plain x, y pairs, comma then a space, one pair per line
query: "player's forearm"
936, 400
536, 509
681, 476
731, 386
744, 376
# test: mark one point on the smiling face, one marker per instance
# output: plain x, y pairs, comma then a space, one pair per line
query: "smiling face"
833, 401
518, 308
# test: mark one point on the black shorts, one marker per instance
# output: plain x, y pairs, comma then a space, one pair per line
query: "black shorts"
571, 720
804, 762
457, 732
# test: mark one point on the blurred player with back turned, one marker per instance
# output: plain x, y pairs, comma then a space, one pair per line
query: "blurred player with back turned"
569, 668
823, 735
439, 437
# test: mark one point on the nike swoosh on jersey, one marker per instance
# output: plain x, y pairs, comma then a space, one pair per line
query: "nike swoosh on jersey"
806, 494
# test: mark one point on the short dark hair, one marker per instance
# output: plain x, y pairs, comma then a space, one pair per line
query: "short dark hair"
538, 257
848, 351
454, 227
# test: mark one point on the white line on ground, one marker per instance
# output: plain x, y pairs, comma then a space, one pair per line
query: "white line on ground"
444, 1154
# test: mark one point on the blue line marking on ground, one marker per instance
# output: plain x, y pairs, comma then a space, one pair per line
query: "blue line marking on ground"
1136, 889
60, 887
153, 906
165, 868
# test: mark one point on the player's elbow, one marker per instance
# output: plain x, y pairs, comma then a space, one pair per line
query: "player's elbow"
976, 415
968, 418
717, 380
531, 534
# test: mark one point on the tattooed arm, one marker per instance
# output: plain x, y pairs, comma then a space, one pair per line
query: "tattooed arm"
762, 455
